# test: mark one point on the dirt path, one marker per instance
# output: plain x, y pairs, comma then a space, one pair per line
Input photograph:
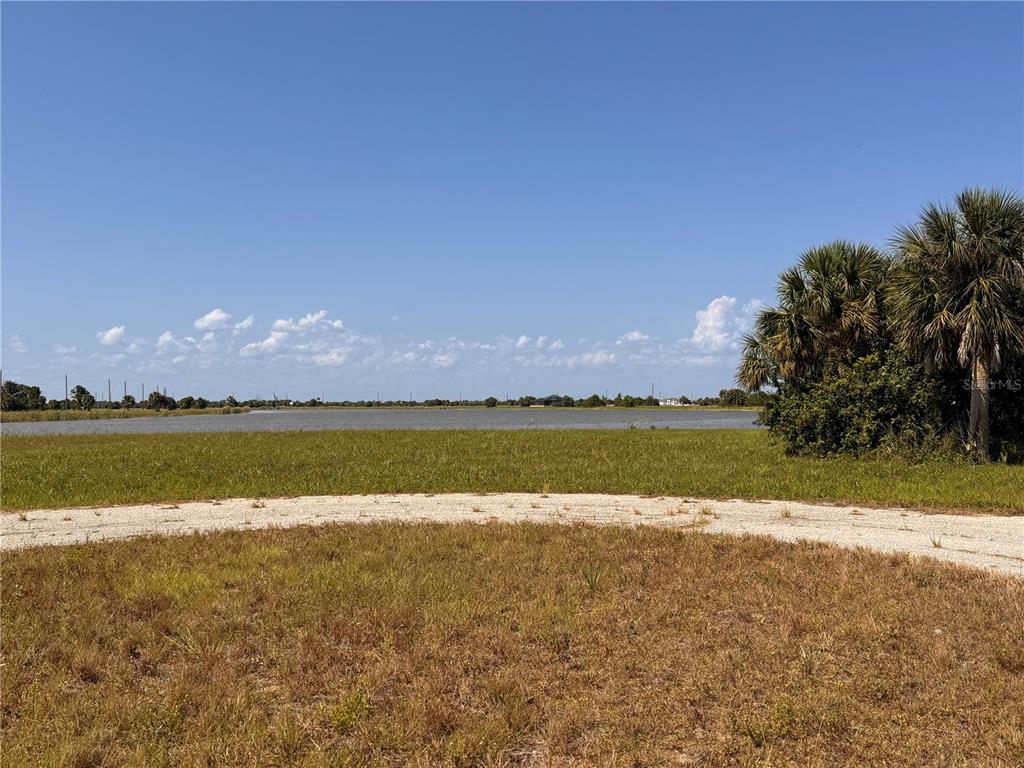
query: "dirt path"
995, 543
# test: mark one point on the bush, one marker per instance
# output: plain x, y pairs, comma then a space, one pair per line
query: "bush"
877, 402
1006, 408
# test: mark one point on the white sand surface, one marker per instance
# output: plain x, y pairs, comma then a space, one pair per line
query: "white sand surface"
984, 541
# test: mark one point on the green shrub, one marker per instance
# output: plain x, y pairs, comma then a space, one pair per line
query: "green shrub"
877, 402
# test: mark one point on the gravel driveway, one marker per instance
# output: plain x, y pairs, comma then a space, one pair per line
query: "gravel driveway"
984, 541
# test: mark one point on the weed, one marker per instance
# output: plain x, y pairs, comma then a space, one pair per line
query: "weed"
344, 715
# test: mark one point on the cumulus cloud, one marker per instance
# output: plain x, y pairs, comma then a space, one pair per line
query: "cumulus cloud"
634, 336
243, 325
333, 357
310, 321
214, 320
556, 345
111, 336
60, 349
596, 357
716, 325
522, 342
15, 344
167, 340
272, 343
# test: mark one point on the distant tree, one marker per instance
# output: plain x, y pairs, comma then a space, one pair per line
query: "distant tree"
732, 398
158, 401
491, 402
187, 402
128, 401
568, 402
202, 402
21, 397
760, 399
594, 401
230, 400
82, 398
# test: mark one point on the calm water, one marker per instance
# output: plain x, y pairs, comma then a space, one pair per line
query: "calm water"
400, 418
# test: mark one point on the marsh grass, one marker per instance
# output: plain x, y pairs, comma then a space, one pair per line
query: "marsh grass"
80, 470
466, 645
113, 413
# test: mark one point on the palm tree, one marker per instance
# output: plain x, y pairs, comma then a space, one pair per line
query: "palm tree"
955, 293
830, 301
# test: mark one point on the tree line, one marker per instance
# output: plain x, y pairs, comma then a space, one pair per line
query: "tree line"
23, 397
919, 347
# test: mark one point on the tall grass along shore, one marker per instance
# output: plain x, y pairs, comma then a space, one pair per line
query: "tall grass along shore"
113, 413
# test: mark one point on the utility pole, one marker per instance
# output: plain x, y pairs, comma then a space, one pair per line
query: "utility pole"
110, 397
67, 404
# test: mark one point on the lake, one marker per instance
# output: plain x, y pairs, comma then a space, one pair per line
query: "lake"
400, 418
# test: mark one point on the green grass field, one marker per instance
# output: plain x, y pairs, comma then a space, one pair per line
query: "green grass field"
529, 645
63, 471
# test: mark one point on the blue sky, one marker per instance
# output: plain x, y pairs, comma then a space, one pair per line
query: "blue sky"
446, 198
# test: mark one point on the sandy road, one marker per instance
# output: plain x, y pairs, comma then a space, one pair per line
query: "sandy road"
983, 541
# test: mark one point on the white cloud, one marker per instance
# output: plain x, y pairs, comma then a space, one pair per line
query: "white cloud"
270, 344
556, 345
166, 340
60, 349
716, 325
15, 344
244, 325
333, 357
522, 342
112, 336
597, 357
214, 320
310, 321
634, 336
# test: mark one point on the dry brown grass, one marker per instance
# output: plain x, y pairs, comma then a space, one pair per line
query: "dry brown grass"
495, 645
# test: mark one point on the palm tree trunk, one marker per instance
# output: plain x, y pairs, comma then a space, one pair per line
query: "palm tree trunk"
978, 437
